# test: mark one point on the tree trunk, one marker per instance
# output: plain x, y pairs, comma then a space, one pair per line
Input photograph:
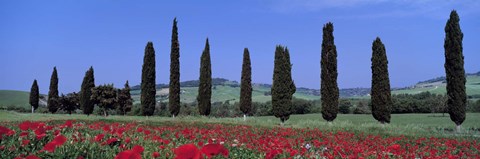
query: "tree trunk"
282, 124
105, 113
458, 128
173, 116
244, 117
33, 110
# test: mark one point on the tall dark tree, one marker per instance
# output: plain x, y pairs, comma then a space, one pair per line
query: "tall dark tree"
105, 96
34, 96
283, 86
124, 100
205, 86
52, 102
246, 85
69, 102
454, 68
148, 81
329, 86
174, 90
88, 83
380, 93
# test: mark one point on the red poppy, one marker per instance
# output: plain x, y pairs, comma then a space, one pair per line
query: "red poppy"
5, 131
99, 137
214, 149
59, 140
187, 151
25, 142
273, 153
32, 157
24, 126
68, 124
109, 141
50, 147
128, 154
138, 149
156, 154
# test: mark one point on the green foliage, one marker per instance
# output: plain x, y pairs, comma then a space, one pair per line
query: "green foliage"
205, 87
124, 100
174, 91
52, 102
454, 68
246, 84
283, 86
329, 87
105, 96
34, 95
88, 83
344, 106
147, 97
380, 96
301, 106
424, 102
69, 102
361, 108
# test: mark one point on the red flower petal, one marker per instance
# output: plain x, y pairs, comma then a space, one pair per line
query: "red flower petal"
187, 151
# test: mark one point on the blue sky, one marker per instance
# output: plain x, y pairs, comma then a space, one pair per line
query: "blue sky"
111, 35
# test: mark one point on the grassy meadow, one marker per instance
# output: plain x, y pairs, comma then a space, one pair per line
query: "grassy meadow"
413, 125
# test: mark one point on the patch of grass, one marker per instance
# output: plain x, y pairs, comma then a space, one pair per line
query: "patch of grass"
413, 125
16, 98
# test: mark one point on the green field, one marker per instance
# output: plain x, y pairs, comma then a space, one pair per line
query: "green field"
15, 98
472, 85
401, 124
220, 93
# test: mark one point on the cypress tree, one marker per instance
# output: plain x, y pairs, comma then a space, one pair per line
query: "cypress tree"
380, 92
174, 90
205, 86
246, 85
148, 81
283, 86
88, 83
52, 101
329, 86
124, 100
34, 96
454, 68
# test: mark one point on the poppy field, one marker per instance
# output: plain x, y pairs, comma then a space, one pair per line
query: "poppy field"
106, 139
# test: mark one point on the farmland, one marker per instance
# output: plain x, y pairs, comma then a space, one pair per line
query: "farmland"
350, 136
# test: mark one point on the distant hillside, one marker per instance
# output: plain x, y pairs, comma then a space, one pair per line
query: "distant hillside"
17, 98
438, 86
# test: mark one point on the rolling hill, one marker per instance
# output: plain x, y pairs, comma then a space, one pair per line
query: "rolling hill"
226, 90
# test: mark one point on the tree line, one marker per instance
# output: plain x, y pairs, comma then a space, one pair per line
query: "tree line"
283, 87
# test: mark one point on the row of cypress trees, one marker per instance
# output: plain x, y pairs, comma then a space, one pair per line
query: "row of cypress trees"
380, 90
283, 86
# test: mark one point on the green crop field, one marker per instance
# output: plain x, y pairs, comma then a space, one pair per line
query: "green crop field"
16, 98
401, 124
472, 85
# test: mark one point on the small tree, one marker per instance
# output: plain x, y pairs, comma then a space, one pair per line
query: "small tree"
105, 96
380, 93
205, 86
246, 85
174, 90
344, 106
454, 68
88, 83
69, 102
147, 97
329, 87
52, 102
283, 86
34, 96
124, 99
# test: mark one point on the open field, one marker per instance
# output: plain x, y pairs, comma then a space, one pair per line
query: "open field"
401, 124
17, 98
472, 85
349, 136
